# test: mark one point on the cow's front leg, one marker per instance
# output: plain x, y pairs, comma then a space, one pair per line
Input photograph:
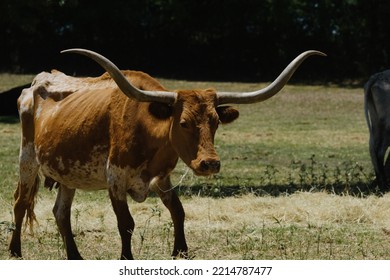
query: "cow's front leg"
125, 222
163, 188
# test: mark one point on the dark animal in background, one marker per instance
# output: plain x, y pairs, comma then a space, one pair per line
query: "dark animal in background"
377, 112
124, 132
8, 100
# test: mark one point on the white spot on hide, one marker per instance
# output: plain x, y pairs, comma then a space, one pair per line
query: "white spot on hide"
127, 180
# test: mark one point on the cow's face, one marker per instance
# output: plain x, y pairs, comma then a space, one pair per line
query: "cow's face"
195, 120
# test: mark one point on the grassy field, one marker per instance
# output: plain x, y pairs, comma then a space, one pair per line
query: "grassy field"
295, 183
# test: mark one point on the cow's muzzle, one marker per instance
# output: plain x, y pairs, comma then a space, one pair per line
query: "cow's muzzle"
210, 166
207, 167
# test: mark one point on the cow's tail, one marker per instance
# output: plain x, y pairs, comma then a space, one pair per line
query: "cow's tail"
29, 202
369, 105
32, 198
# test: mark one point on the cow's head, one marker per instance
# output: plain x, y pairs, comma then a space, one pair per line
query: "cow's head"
196, 114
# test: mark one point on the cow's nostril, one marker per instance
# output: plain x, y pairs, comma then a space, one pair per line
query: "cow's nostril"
204, 165
213, 165
216, 164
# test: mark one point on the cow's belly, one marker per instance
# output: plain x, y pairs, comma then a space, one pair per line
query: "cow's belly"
88, 176
73, 171
97, 174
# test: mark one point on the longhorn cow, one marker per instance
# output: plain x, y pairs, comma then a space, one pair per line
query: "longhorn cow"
124, 132
377, 112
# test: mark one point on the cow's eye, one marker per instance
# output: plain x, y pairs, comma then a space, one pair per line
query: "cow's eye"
184, 124
214, 122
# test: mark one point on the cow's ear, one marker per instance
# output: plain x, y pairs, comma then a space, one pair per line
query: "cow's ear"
227, 114
160, 110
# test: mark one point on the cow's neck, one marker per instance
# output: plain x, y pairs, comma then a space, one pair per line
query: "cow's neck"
144, 142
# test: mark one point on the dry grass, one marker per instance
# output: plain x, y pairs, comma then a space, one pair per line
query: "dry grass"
300, 226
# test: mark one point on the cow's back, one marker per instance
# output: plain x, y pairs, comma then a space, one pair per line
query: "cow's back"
74, 122
66, 119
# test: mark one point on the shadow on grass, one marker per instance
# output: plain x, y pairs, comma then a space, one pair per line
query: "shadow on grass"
346, 178
358, 189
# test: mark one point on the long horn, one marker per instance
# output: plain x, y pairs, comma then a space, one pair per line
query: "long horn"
122, 82
269, 91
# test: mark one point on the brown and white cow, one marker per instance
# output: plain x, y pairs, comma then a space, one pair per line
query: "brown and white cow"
377, 112
124, 132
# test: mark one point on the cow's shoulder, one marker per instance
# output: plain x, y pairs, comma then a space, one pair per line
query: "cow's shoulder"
143, 81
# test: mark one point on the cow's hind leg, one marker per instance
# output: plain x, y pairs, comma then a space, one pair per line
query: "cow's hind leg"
23, 202
377, 161
378, 145
24, 195
385, 186
383, 160
163, 188
62, 213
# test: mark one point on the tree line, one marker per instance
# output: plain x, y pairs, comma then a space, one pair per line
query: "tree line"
248, 40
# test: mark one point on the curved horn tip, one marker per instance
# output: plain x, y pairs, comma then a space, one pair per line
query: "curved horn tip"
67, 50
76, 50
313, 52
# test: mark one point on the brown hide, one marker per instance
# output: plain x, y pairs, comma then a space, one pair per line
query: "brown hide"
68, 130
